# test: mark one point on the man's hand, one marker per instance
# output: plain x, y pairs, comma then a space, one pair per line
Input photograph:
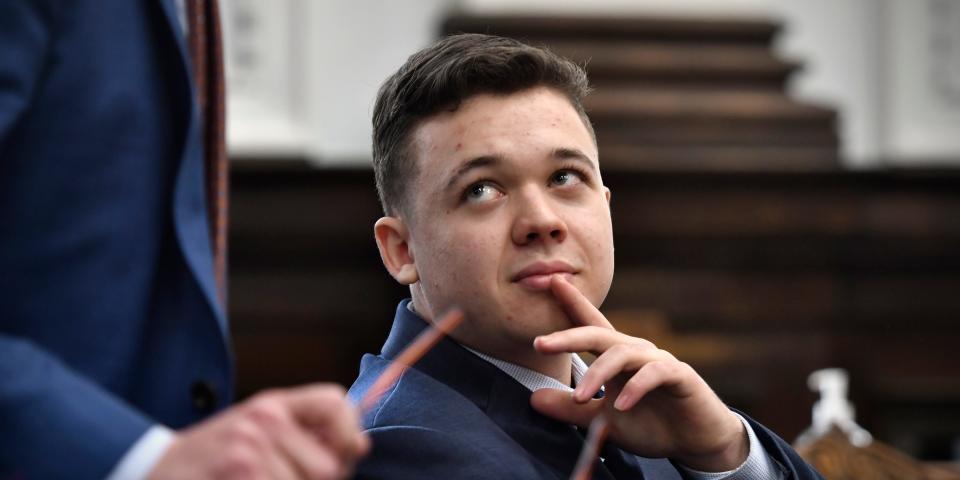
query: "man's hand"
309, 432
657, 405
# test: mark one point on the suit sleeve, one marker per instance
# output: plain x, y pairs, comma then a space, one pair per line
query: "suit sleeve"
416, 452
54, 423
792, 466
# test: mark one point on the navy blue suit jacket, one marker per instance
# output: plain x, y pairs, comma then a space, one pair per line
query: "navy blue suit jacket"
454, 415
108, 315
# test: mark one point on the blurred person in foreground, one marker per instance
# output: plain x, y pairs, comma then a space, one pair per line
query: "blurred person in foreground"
488, 171
114, 354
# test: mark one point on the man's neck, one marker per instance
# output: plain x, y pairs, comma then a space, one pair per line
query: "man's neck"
557, 367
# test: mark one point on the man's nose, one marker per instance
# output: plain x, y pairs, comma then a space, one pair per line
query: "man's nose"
537, 219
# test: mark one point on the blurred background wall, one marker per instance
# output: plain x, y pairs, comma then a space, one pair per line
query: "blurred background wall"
787, 191
304, 73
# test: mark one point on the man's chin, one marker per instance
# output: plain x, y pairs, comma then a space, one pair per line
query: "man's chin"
545, 317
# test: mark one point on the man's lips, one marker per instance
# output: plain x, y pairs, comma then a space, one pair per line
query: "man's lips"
536, 276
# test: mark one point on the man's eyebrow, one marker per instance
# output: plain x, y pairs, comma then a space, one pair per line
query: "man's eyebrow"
473, 164
574, 154
561, 153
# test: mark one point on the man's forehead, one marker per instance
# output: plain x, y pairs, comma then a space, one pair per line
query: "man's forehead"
485, 124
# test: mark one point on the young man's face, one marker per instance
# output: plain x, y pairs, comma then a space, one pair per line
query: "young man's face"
508, 193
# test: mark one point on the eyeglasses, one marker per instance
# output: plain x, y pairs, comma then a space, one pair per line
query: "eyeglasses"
596, 434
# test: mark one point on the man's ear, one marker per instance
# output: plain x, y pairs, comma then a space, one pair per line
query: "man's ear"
393, 240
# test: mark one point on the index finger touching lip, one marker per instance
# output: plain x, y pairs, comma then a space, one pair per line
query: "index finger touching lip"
576, 305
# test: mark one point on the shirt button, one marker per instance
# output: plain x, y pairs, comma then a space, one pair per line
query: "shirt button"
204, 396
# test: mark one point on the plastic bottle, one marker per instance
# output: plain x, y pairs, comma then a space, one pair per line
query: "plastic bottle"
833, 410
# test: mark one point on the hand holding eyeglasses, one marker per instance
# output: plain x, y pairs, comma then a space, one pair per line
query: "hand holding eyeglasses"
657, 406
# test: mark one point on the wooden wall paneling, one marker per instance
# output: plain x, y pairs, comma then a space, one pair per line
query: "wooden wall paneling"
681, 92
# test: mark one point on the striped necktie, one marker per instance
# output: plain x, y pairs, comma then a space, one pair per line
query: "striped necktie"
206, 53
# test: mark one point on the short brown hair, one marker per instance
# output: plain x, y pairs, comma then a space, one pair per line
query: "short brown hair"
442, 76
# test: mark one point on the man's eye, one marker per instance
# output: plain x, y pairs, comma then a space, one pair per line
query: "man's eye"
565, 177
481, 191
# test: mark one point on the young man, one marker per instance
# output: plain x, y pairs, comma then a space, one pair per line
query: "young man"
487, 168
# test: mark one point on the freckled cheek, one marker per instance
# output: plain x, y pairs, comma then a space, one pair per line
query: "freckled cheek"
605, 242
596, 239
607, 249
595, 231
475, 256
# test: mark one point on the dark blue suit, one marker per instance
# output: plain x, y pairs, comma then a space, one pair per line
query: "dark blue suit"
456, 416
108, 311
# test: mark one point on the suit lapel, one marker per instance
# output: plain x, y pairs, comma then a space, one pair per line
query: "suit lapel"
174, 23
191, 223
553, 443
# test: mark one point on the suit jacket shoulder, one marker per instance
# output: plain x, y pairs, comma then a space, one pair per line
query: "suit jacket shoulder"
423, 429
